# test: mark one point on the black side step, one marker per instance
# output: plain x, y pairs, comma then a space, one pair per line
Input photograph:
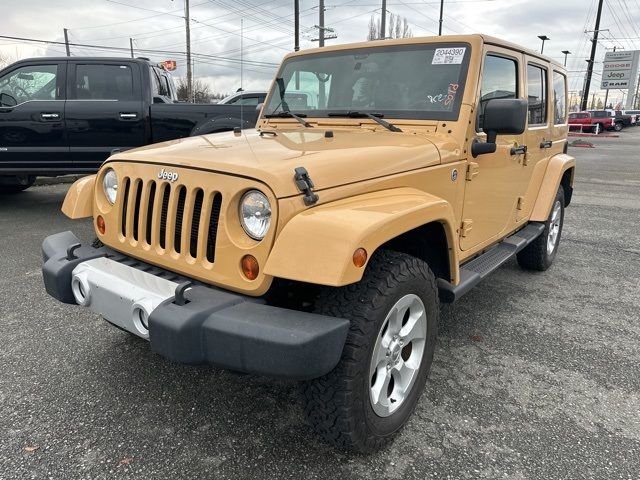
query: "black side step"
471, 273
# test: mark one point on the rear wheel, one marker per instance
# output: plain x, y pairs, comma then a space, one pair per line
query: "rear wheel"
15, 184
365, 401
540, 253
617, 126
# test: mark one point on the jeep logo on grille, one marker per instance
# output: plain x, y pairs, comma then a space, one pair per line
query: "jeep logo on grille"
164, 175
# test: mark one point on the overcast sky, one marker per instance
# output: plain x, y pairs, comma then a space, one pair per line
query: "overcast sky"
268, 29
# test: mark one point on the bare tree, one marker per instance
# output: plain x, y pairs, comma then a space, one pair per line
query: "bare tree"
5, 59
201, 91
398, 27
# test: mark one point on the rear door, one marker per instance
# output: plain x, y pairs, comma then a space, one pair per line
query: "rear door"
32, 134
104, 110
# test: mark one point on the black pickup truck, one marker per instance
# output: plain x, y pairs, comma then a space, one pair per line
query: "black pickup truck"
66, 115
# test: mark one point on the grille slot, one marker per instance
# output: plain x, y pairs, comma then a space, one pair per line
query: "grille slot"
213, 227
152, 199
136, 208
177, 233
195, 223
125, 202
163, 216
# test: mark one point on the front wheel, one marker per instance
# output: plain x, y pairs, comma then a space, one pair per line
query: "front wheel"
617, 127
540, 253
365, 401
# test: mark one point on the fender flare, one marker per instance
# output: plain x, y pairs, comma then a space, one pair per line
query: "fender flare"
556, 168
317, 245
220, 124
78, 202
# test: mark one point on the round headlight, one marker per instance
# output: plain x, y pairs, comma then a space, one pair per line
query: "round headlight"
255, 214
110, 185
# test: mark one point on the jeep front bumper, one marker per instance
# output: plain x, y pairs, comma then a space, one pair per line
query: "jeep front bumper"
203, 325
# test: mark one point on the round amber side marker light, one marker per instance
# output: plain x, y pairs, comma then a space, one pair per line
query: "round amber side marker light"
250, 267
102, 227
360, 257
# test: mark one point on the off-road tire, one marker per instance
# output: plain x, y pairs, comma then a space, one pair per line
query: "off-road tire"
338, 405
536, 256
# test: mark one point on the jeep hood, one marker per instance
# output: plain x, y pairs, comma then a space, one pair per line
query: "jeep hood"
347, 157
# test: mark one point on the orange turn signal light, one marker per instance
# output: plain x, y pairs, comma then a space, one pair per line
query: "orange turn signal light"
102, 227
250, 267
360, 257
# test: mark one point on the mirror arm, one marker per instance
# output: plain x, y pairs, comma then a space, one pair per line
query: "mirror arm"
481, 148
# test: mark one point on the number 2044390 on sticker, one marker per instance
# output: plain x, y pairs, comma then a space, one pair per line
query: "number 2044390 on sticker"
448, 56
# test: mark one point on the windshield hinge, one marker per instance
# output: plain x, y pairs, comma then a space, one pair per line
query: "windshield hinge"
305, 185
472, 171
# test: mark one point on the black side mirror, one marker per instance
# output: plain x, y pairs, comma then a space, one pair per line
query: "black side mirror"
502, 116
7, 100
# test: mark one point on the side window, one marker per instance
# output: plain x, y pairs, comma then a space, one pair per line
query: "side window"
33, 82
248, 101
559, 98
537, 94
499, 80
104, 82
234, 101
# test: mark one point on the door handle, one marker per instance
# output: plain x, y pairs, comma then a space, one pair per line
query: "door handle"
546, 144
50, 116
521, 150
128, 116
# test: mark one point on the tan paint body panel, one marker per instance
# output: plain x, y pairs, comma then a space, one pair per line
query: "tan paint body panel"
372, 184
337, 229
552, 177
78, 203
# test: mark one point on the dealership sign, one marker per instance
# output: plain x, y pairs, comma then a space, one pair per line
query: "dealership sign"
620, 70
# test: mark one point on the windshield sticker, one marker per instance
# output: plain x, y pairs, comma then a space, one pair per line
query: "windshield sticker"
451, 94
448, 56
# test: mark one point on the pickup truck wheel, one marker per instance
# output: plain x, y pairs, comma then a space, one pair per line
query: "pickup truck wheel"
539, 254
16, 185
617, 126
365, 401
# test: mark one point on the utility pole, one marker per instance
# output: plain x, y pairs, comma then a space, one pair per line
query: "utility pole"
383, 21
637, 96
187, 21
296, 23
131, 46
440, 22
66, 42
592, 58
321, 20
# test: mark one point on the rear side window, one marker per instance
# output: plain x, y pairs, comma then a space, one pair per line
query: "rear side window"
499, 80
537, 94
104, 82
559, 98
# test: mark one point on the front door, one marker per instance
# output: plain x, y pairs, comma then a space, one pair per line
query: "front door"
32, 135
104, 110
492, 187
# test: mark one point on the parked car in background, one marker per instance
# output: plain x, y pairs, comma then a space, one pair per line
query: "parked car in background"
244, 97
589, 122
635, 116
626, 119
66, 115
615, 124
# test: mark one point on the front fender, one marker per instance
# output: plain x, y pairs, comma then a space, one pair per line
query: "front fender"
317, 245
556, 167
78, 203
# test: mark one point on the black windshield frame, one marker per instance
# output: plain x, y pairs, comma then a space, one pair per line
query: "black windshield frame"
388, 114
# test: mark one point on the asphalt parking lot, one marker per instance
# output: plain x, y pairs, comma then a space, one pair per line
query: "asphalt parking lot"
536, 375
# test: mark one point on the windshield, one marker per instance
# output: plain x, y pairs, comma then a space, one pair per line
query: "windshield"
403, 81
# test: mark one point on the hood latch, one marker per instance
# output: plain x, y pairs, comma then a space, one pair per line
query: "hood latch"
305, 185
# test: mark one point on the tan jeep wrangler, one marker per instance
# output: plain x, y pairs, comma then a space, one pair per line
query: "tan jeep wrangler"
382, 178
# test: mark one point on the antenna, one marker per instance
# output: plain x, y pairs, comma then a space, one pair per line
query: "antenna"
241, 72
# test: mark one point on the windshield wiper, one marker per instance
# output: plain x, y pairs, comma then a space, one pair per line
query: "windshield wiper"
286, 114
376, 117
